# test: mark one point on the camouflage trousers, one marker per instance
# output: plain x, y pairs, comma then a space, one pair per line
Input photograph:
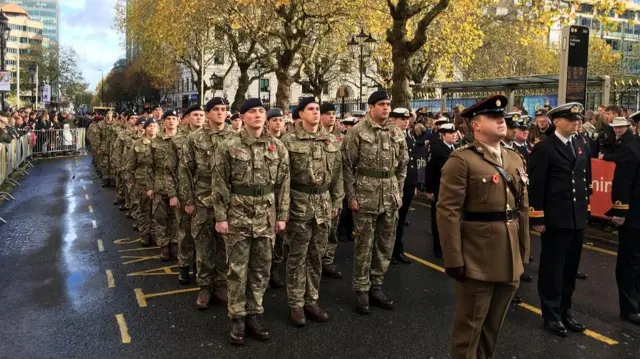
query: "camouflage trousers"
105, 166
120, 186
278, 247
165, 220
144, 213
211, 257
332, 245
248, 276
128, 197
374, 240
186, 246
307, 243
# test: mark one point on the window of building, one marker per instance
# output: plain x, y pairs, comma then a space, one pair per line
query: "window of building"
629, 15
264, 85
218, 59
586, 9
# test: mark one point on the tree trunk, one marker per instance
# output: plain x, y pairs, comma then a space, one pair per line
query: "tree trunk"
283, 94
243, 86
400, 92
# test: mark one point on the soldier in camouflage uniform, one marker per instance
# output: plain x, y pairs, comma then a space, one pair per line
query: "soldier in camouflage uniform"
201, 145
192, 121
328, 122
251, 203
140, 163
164, 215
104, 146
93, 135
316, 198
119, 127
275, 128
119, 154
375, 157
134, 200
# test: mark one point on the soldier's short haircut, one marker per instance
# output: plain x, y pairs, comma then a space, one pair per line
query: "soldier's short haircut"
615, 109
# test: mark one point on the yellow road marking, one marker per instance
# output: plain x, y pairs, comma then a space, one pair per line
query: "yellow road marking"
526, 306
139, 258
601, 250
111, 283
100, 245
142, 298
137, 249
90, 209
587, 246
86, 196
127, 240
155, 271
94, 223
124, 330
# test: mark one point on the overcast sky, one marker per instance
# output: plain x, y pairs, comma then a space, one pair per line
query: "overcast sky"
87, 26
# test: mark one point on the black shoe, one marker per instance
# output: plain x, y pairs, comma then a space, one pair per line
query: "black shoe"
236, 334
379, 299
556, 328
135, 228
256, 329
403, 259
632, 318
572, 324
516, 300
122, 208
183, 277
128, 215
105, 184
394, 260
525, 278
343, 239
146, 241
116, 202
582, 276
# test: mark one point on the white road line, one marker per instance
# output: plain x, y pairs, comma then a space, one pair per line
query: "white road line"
94, 223
86, 196
90, 209
100, 245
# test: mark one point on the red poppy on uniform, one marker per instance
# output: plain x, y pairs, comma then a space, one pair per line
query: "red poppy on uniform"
580, 150
272, 148
495, 178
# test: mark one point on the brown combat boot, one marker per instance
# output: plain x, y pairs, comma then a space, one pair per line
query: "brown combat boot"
316, 313
256, 329
146, 239
165, 254
275, 281
204, 297
297, 317
331, 271
379, 299
220, 294
236, 334
362, 302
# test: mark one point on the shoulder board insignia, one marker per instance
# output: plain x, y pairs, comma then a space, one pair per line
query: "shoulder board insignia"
464, 148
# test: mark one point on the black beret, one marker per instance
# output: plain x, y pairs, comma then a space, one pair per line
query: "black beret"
492, 105
130, 113
141, 121
377, 96
274, 112
250, 103
572, 111
214, 102
168, 113
306, 101
326, 107
235, 116
193, 108
149, 121
156, 107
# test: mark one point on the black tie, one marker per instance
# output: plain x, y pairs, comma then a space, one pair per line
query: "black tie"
571, 148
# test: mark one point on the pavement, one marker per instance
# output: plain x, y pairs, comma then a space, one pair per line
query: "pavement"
76, 283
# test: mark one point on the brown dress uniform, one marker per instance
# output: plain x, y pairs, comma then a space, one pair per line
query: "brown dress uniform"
487, 234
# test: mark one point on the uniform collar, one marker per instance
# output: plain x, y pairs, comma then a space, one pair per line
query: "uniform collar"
562, 138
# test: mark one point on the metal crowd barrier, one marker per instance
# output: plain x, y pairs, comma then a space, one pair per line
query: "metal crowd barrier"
21, 150
66, 140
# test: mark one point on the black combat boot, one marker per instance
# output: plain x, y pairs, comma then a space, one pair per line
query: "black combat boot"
236, 334
256, 329
275, 281
183, 277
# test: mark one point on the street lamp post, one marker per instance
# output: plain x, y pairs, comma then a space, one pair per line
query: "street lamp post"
358, 45
102, 88
4, 29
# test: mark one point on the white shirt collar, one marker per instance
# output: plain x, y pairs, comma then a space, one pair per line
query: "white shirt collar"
562, 138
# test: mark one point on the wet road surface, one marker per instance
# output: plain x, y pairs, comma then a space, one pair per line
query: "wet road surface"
76, 283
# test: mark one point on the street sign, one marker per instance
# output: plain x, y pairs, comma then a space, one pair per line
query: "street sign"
574, 58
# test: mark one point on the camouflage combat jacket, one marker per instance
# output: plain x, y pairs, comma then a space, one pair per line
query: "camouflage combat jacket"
140, 163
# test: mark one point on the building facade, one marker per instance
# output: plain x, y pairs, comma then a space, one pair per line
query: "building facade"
45, 11
25, 37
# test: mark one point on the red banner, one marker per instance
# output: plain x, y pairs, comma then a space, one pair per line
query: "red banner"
601, 179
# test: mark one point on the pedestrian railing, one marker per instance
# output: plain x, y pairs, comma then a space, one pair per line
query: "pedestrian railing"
20, 151
66, 140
